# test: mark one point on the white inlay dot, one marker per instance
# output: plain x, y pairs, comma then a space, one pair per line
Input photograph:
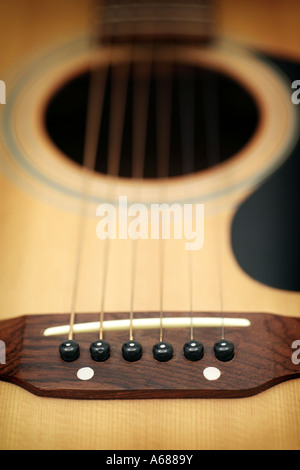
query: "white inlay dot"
212, 373
85, 373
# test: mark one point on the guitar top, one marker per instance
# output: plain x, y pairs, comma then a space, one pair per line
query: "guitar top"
149, 162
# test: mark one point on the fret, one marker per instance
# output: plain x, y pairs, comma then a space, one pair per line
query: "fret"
125, 20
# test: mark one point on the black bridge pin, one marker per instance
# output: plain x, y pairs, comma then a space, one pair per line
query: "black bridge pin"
69, 350
100, 350
162, 351
132, 351
224, 350
193, 350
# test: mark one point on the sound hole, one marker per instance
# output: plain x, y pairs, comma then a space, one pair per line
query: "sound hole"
211, 118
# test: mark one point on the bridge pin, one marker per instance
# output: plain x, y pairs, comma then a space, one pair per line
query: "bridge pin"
224, 350
69, 350
162, 351
193, 350
132, 351
100, 350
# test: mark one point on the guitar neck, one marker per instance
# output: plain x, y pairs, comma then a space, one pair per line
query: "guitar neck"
158, 21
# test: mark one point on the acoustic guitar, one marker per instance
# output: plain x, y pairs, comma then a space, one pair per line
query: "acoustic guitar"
149, 226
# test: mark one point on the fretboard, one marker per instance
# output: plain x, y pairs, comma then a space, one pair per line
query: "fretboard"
127, 20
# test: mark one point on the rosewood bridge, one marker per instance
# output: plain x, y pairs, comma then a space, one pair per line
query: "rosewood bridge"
262, 355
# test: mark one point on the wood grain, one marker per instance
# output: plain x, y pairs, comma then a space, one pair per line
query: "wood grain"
38, 246
262, 359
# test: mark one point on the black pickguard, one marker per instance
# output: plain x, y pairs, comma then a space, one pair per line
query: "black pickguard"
266, 228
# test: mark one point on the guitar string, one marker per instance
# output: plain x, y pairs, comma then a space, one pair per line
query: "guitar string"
94, 114
116, 125
98, 79
120, 79
114, 160
119, 93
187, 128
163, 75
141, 75
161, 293
140, 106
211, 100
187, 121
141, 90
107, 242
104, 282
163, 107
118, 102
190, 270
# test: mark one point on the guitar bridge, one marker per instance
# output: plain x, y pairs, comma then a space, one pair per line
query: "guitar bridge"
262, 355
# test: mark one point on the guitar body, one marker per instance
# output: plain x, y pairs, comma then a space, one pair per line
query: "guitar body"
38, 245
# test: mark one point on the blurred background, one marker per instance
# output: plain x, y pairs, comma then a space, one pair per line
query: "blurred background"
268, 25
